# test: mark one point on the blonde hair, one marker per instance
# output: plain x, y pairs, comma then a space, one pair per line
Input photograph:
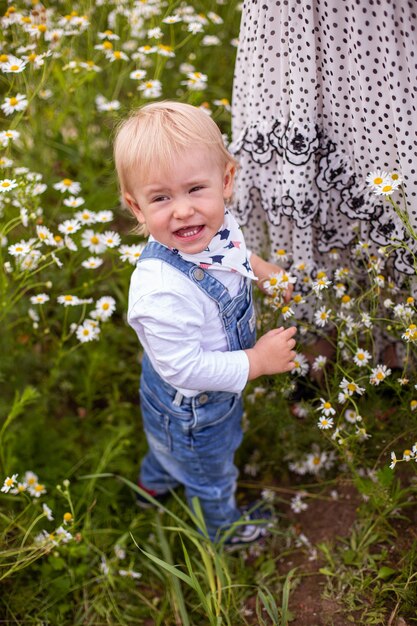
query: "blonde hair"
155, 135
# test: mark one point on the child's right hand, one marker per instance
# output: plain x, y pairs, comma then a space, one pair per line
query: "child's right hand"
273, 353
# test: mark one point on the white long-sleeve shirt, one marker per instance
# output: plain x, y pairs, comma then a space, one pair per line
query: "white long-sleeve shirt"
181, 331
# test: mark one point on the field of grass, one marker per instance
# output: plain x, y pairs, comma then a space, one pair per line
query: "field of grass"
338, 466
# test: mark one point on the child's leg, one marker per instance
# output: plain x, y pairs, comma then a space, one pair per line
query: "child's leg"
154, 477
199, 452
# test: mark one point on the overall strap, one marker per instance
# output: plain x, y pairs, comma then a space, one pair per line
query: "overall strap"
212, 287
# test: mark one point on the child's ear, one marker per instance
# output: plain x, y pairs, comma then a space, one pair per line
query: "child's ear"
134, 207
229, 177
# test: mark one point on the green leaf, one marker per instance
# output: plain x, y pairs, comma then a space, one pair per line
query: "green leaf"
386, 572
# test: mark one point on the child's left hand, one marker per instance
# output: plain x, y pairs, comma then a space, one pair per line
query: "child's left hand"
263, 271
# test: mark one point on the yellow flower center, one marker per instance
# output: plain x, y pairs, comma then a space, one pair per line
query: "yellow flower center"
39, 487
327, 405
107, 45
351, 387
117, 54
67, 517
323, 315
360, 356
13, 101
94, 239
105, 306
42, 28
378, 180
67, 182
345, 298
4, 58
316, 460
273, 281
321, 275
297, 298
410, 300
14, 68
5, 184
387, 188
280, 252
407, 452
9, 482
68, 298
285, 309
380, 376
394, 176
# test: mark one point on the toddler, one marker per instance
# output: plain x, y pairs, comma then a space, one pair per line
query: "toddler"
190, 303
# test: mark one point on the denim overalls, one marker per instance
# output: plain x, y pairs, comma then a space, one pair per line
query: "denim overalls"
192, 441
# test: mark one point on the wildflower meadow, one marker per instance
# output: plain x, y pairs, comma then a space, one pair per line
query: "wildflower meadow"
332, 446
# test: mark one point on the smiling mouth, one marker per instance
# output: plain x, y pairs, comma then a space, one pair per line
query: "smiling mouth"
188, 231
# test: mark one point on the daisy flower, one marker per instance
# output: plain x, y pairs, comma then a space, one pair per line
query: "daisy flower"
116, 55
36, 491
196, 81
151, 89
287, 312
19, 249
19, 102
195, 27
104, 216
74, 202
93, 262
86, 216
9, 483
8, 135
407, 455
131, 253
352, 417
378, 374
7, 185
137, 74
69, 300
325, 422
87, 332
297, 504
47, 512
413, 405
410, 334
350, 387
105, 308
319, 285
322, 316
13, 65
361, 357
40, 298
319, 363
69, 227
172, 19
301, 365
45, 235
110, 239
326, 408
68, 185
376, 178
92, 241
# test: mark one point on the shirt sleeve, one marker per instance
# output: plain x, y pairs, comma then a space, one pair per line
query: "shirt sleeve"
170, 327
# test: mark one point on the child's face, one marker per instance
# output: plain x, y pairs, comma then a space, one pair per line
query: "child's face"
183, 207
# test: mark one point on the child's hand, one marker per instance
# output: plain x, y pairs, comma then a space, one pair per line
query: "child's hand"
264, 270
273, 353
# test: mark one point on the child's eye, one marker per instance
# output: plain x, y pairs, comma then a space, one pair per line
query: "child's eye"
196, 188
159, 198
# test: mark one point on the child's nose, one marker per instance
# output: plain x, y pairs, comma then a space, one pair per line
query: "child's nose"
183, 208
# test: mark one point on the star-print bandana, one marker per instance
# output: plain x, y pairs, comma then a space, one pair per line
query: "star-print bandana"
226, 251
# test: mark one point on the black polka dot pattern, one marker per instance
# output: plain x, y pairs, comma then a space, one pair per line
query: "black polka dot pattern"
325, 92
